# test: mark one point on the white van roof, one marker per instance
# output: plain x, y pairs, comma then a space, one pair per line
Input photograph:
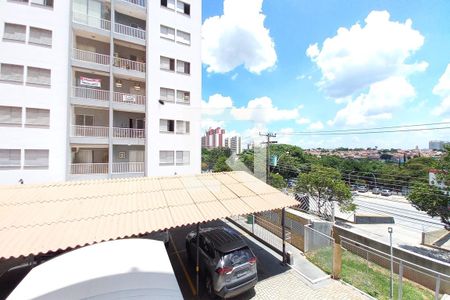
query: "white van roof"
121, 269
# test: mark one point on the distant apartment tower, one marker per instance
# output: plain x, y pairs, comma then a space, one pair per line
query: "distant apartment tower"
437, 145
214, 138
95, 89
234, 143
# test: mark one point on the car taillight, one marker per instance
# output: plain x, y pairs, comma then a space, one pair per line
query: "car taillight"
252, 260
224, 270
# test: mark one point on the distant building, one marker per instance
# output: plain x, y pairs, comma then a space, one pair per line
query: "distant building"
437, 145
234, 143
214, 138
433, 179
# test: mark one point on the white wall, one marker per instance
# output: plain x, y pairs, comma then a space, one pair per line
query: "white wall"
54, 98
157, 78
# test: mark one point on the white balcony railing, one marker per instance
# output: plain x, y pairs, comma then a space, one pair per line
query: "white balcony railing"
89, 168
128, 133
89, 56
129, 31
90, 131
91, 21
129, 98
128, 167
129, 64
88, 93
142, 3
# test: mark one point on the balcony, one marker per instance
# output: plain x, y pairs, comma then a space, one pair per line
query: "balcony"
90, 96
91, 21
141, 3
128, 133
92, 60
127, 64
82, 134
88, 168
128, 167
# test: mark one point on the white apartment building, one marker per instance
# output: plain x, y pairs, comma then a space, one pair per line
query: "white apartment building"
94, 89
234, 143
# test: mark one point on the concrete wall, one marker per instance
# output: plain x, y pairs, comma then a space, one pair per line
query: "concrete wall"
126, 149
128, 87
86, 44
100, 116
121, 118
127, 20
429, 238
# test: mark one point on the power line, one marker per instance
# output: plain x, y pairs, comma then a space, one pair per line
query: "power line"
363, 132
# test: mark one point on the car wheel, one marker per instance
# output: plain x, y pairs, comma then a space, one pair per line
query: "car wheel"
209, 287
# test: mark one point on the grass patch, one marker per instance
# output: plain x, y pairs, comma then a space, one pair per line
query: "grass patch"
370, 278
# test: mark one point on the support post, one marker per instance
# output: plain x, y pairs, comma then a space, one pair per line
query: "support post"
283, 233
438, 287
400, 280
253, 223
197, 268
337, 260
391, 287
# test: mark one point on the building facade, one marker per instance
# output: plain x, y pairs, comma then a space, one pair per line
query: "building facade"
234, 143
99, 89
214, 138
437, 145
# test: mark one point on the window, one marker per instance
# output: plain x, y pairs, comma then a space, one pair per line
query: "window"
39, 36
11, 73
167, 94
183, 67
36, 159
167, 32
183, 8
166, 126
183, 97
183, 37
84, 120
10, 116
167, 63
48, 3
168, 3
183, 127
166, 158
9, 158
14, 32
37, 117
182, 157
39, 76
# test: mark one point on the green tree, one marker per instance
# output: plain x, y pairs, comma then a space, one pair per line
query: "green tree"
277, 181
324, 184
221, 165
430, 199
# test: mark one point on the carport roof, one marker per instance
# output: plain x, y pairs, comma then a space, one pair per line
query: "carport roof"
38, 219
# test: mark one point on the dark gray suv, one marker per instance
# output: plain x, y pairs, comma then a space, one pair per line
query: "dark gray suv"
226, 262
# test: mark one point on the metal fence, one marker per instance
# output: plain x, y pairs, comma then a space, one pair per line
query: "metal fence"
318, 247
323, 209
356, 255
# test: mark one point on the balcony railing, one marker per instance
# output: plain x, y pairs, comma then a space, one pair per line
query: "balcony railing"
90, 131
142, 3
91, 21
129, 64
88, 93
128, 167
128, 133
130, 31
129, 98
89, 168
89, 56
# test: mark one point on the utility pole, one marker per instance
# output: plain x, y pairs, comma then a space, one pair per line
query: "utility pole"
268, 135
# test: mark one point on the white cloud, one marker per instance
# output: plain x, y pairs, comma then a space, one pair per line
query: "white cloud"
303, 121
210, 123
238, 37
316, 125
261, 110
216, 104
355, 58
377, 104
442, 89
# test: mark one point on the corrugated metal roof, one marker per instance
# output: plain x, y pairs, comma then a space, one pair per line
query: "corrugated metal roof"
41, 218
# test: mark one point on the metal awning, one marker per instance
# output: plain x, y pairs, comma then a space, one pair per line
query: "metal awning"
38, 219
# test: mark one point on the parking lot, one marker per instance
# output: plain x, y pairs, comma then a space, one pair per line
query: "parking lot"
275, 281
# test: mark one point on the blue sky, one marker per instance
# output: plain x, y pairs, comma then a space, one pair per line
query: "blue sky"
293, 66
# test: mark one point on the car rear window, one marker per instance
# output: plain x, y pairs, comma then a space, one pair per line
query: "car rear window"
237, 257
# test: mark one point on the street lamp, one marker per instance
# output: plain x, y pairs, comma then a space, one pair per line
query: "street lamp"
391, 287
